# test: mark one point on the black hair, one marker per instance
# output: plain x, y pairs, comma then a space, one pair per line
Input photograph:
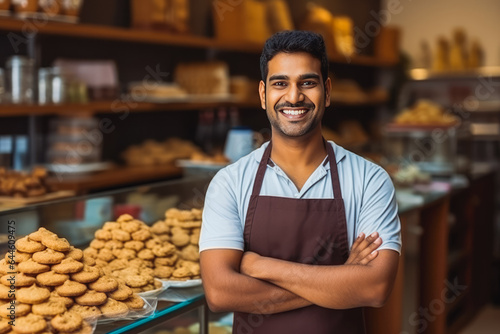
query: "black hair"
291, 42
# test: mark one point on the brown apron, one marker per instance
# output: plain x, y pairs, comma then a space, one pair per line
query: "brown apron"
309, 231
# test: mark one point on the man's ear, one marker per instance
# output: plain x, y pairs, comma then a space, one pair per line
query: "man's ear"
328, 91
262, 94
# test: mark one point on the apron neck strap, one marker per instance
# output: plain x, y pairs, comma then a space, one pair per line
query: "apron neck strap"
259, 178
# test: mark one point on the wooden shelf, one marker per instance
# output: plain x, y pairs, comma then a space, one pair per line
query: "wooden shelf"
154, 37
114, 177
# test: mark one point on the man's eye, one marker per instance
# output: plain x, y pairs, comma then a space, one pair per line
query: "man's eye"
309, 83
279, 83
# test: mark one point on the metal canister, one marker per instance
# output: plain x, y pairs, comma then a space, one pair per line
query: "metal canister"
20, 73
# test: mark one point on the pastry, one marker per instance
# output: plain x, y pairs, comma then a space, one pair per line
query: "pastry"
67, 322
30, 324
48, 256
32, 295
29, 246
71, 289
51, 278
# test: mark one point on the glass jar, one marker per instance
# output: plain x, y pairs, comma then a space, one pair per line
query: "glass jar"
72, 7
45, 86
20, 73
59, 86
25, 6
4, 5
50, 7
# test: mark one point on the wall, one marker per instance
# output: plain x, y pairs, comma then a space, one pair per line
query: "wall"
428, 19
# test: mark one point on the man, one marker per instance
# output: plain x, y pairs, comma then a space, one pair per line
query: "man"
278, 224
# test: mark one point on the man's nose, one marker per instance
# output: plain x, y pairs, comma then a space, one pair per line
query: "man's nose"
294, 94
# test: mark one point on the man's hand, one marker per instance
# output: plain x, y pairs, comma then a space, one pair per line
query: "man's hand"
363, 249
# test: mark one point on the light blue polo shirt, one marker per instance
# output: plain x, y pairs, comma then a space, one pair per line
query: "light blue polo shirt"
367, 190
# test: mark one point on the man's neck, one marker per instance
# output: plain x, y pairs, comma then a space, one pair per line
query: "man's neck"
298, 152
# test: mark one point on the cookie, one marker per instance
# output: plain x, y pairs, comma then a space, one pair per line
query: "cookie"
87, 275
102, 234
4, 326
19, 309
97, 244
71, 289
38, 235
30, 324
157, 284
124, 253
51, 278
104, 284
19, 280
197, 213
120, 235
67, 301
164, 250
68, 266
75, 254
67, 322
6, 292
136, 281
29, 246
7, 267
194, 239
108, 226
17, 256
160, 228
113, 308
125, 218
163, 271
113, 244
32, 295
123, 292
135, 302
90, 252
190, 253
88, 261
182, 273
105, 255
166, 261
118, 264
193, 267
49, 309
31, 267
131, 226
56, 243
85, 329
164, 237
152, 243
48, 256
141, 234
134, 244
180, 239
86, 312
146, 254
91, 298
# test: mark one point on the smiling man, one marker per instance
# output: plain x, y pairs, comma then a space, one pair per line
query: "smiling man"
283, 237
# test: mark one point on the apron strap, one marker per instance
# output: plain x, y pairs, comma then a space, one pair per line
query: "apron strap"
259, 178
337, 193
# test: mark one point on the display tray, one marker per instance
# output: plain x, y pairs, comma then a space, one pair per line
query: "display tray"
154, 292
36, 199
79, 169
183, 284
208, 165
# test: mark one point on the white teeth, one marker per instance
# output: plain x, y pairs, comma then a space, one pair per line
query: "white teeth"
294, 112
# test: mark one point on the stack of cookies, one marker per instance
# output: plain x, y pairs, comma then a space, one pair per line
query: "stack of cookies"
128, 250
182, 229
53, 280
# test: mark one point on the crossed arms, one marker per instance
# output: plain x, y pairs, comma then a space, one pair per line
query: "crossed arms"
248, 282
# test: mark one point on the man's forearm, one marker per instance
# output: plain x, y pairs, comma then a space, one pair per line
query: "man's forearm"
338, 287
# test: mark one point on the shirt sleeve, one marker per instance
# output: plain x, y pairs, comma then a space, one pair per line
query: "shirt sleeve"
379, 210
221, 227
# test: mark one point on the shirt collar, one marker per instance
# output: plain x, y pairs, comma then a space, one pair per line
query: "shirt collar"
340, 153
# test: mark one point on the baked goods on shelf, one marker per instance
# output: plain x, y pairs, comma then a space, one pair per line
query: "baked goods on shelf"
20, 184
203, 78
127, 250
182, 229
426, 112
58, 288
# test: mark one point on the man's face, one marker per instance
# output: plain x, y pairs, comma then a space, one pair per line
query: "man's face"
294, 96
